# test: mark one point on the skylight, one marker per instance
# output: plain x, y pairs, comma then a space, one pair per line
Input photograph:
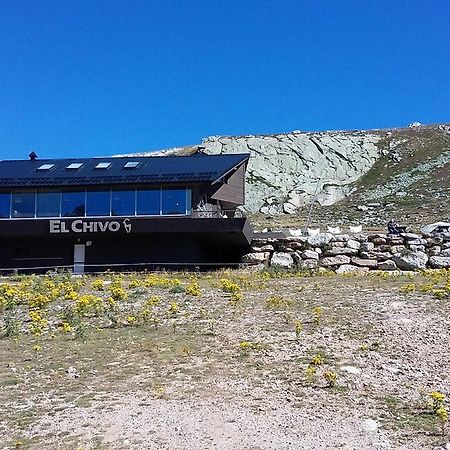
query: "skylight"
131, 165
45, 167
74, 166
103, 165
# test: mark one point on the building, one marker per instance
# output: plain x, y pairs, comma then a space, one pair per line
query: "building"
125, 213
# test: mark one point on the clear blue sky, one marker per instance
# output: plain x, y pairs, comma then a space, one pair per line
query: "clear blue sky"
90, 78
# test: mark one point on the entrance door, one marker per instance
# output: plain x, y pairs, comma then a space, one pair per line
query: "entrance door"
78, 259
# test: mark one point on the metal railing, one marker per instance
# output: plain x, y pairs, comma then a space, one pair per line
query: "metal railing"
217, 213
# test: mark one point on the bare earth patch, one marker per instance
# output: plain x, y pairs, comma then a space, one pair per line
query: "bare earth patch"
246, 374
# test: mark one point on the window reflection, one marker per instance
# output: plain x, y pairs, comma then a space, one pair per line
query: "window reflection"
98, 203
123, 203
106, 202
48, 203
5, 204
72, 204
148, 201
173, 201
23, 204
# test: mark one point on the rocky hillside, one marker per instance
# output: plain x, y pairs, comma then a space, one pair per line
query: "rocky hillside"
350, 176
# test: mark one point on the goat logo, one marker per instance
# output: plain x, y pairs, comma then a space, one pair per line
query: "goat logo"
127, 225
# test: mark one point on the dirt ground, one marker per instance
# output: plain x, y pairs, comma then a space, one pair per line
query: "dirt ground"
299, 362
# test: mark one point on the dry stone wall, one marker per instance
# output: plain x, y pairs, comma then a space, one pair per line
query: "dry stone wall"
351, 252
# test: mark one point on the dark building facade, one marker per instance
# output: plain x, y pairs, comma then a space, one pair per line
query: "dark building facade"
122, 213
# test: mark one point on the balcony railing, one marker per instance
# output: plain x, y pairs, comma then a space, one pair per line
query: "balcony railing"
217, 214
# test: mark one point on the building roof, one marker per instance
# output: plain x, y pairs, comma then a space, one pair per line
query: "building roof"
195, 168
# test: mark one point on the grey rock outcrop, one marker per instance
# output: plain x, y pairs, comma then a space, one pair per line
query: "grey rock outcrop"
287, 170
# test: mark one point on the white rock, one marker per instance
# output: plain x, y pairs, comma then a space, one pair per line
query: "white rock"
72, 372
346, 268
282, 260
351, 369
319, 240
370, 425
353, 244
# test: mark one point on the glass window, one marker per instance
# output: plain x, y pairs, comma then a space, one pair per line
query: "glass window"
5, 204
46, 166
48, 203
174, 201
103, 165
123, 203
72, 204
98, 203
74, 166
148, 201
23, 204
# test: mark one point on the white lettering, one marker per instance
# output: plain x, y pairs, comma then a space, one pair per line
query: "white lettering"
114, 226
81, 226
63, 228
54, 226
88, 227
75, 224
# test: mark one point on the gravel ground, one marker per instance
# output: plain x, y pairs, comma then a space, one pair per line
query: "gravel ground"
189, 384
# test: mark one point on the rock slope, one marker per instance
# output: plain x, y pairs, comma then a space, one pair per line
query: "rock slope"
388, 167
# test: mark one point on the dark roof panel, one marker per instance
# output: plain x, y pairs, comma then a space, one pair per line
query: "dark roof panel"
151, 169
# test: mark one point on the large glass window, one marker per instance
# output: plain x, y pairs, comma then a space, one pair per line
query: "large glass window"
123, 203
174, 201
5, 204
98, 203
23, 204
48, 203
73, 204
148, 201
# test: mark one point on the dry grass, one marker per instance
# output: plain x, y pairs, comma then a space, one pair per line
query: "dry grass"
247, 357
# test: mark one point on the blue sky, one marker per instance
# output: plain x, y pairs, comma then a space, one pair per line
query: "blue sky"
90, 78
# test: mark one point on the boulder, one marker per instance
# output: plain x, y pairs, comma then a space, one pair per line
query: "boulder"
255, 258
346, 268
387, 265
411, 260
351, 243
397, 249
410, 236
440, 262
367, 246
445, 252
282, 260
331, 261
340, 238
309, 254
341, 251
267, 248
435, 250
319, 240
417, 248
370, 263
308, 264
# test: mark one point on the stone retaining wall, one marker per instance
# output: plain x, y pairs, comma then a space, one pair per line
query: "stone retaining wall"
354, 252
